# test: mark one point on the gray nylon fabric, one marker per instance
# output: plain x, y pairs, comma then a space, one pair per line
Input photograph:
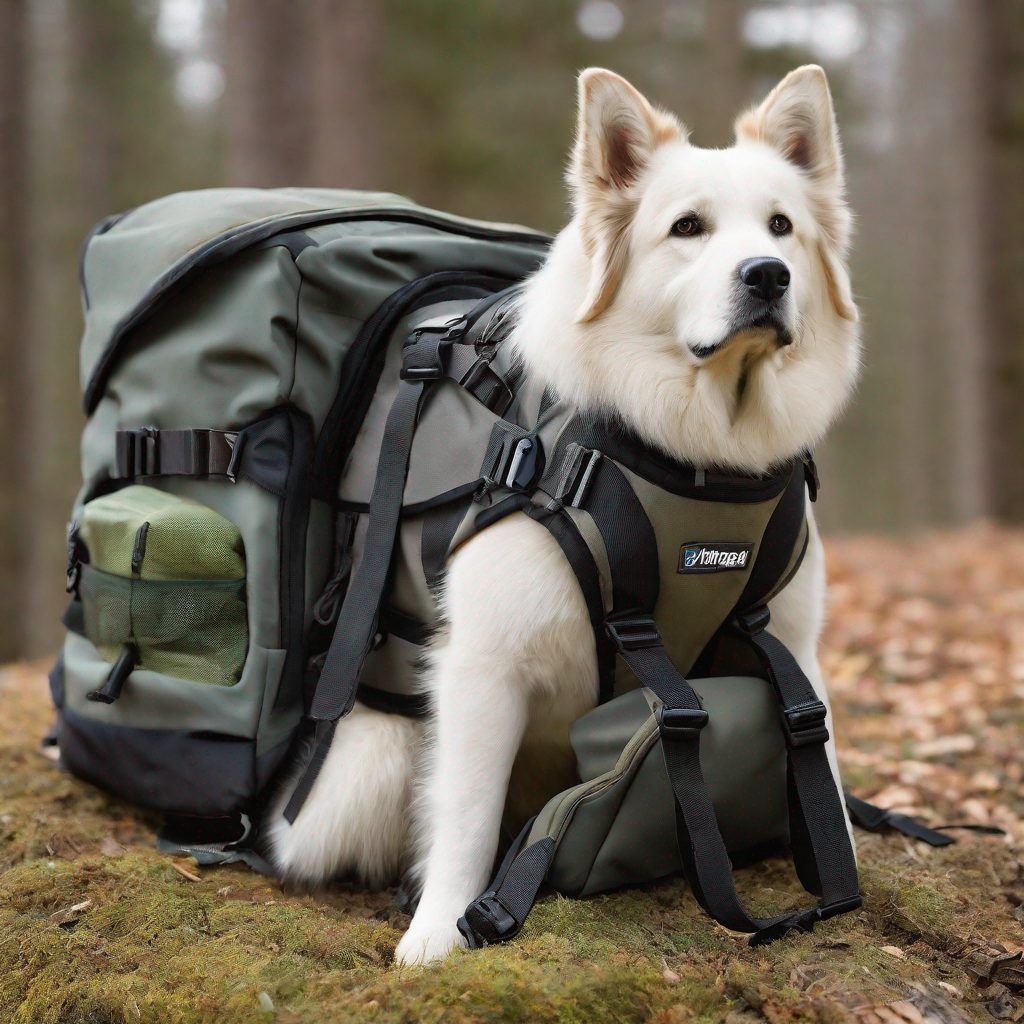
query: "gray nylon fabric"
617, 827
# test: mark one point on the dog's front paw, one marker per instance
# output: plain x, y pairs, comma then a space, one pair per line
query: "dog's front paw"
425, 943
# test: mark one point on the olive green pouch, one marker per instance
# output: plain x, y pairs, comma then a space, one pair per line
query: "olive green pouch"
618, 826
163, 578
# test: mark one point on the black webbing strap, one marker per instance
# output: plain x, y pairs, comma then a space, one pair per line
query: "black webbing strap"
146, 451
581, 560
499, 913
335, 691
876, 819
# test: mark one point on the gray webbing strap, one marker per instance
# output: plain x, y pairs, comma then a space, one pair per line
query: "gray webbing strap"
146, 451
335, 691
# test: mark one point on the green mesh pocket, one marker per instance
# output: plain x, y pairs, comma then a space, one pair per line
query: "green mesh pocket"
166, 576
192, 630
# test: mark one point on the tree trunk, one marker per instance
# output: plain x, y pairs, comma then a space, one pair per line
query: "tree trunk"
344, 138
1001, 81
15, 447
725, 92
268, 98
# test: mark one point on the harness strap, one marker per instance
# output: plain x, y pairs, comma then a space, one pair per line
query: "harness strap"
335, 691
581, 560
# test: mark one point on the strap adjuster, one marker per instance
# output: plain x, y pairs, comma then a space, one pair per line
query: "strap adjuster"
580, 468
632, 633
425, 358
681, 723
137, 452
754, 621
487, 921
804, 724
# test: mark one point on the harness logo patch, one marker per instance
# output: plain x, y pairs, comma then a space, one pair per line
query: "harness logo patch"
714, 557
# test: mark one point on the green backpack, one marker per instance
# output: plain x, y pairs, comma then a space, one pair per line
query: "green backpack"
299, 404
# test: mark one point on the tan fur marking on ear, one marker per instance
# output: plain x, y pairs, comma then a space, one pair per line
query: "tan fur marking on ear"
838, 293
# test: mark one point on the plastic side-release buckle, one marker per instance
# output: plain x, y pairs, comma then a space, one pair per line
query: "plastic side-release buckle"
136, 452
754, 621
425, 357
804, 921
804, 724
632, 632
681, 723
487, 921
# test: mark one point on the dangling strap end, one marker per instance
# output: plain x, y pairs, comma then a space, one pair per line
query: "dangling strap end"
322, 736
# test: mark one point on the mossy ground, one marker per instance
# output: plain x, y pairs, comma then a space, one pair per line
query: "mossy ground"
96, 927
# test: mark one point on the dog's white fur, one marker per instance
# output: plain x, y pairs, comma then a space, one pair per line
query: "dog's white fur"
612, 321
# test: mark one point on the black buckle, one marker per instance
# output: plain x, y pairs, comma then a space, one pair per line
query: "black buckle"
425, 358
804, 724
137, 452
681, 723
754, 621
487, 921
525, 464
632, 633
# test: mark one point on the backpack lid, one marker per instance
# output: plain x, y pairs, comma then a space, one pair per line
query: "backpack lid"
132, 262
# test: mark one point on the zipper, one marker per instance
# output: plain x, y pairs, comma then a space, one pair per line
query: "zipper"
364, 363
232, 242
640, 743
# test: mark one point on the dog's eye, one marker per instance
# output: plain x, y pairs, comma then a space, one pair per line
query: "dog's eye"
780, 225
687, 227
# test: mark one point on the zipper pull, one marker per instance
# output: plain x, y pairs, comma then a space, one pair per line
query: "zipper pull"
122, 669
328, 604
139, 550
75, 559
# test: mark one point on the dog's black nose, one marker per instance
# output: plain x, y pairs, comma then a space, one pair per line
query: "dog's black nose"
765, 277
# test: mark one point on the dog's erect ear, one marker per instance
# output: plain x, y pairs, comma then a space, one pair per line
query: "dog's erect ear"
797, 119
616, 134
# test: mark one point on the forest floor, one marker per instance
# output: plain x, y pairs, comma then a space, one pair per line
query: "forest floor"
925, 652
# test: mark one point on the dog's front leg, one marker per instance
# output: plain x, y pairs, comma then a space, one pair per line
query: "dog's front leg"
481, 712
518, 631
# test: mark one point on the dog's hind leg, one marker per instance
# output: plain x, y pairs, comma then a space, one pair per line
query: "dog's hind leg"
355, 820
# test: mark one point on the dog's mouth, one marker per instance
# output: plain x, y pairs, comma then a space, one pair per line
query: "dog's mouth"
767, 326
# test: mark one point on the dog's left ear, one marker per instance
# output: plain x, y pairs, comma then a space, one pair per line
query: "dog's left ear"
617, 132
798, 121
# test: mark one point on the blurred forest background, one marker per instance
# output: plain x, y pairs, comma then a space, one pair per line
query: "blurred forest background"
468, 105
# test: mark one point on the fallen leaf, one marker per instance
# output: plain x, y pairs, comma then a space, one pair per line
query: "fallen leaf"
894, 951
69, 915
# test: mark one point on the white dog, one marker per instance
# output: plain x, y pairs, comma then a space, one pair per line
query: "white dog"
643, 309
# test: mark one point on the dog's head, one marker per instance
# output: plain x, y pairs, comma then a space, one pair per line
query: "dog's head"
712, 281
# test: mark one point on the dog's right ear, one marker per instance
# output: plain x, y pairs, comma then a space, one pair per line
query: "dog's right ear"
617, 132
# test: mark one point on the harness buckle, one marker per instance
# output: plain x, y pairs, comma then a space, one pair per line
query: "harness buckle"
487, 921
425, 357
681, 723
581, 466
754, 621
632, 633
804, 725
